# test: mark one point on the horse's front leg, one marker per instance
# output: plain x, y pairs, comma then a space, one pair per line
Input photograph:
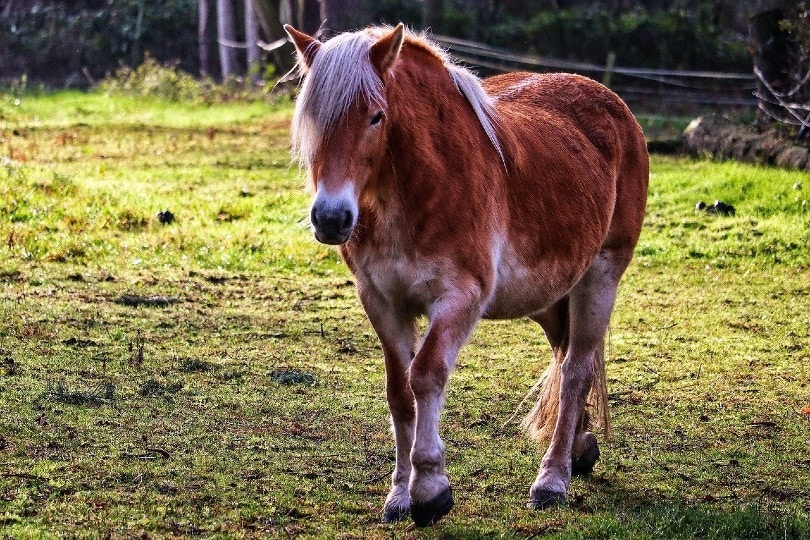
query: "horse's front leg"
450, 325
397, 333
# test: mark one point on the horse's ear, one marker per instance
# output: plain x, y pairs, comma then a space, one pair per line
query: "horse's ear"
306, 46
384, 53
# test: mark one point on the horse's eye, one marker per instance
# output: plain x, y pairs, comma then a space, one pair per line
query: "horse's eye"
376, 118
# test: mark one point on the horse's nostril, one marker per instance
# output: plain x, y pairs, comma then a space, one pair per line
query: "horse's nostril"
332, 221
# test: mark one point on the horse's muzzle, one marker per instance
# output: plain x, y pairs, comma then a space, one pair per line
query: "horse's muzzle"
333, 218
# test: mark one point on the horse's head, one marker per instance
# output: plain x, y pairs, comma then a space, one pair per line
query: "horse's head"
339, 126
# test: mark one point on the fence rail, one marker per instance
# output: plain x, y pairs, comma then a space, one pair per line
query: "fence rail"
633, 84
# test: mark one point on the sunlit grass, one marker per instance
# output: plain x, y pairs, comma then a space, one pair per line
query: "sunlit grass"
247, 396
75, 108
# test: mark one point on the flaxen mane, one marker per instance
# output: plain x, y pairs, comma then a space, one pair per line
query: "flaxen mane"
342, 71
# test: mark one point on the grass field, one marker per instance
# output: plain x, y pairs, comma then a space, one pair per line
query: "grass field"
216, 376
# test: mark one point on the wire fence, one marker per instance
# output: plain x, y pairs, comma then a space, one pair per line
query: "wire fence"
650, 88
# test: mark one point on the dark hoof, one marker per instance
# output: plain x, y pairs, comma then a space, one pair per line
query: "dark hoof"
392, 515
424, 514
589, 454
545, 498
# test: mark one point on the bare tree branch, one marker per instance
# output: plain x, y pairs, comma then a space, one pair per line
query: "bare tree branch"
270, 47
786, 106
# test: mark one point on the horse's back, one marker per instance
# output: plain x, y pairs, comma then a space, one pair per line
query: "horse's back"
574, 139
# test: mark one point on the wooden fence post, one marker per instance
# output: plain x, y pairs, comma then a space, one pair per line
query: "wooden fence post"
609, 63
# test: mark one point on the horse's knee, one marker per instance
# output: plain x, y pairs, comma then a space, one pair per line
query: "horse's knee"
427, 378
400, 403
577, 367
577, 376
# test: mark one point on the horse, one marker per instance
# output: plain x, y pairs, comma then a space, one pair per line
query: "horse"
458, 199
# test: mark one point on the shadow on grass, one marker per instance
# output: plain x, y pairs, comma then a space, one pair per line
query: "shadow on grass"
652, 515
659, 520
95, 396
624, 515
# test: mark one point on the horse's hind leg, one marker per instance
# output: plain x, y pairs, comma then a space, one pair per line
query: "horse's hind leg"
585, 453
590, 306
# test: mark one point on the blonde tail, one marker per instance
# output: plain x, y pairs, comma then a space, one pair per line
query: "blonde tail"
598, 397
539, 424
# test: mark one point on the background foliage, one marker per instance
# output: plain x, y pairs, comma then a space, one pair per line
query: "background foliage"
53, 41
672, 40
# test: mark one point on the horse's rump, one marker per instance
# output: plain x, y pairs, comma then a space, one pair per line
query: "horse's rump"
570, 130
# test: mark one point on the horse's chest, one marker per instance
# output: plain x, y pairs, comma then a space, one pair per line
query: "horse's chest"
404, 282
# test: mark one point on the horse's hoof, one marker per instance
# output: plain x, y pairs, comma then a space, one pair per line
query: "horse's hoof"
424, 514
589, 454
394, 514
545, 498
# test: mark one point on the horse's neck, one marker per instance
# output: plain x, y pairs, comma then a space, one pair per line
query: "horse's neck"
438, 162
433, 134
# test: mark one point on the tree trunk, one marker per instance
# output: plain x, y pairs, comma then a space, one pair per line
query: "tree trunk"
136, 47
202, 37
309, 16
779, 65
227, 37
267, 12
771, 47
342, 15
252, 41
288, 12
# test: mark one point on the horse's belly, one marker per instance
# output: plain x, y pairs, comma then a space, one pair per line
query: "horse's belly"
520, 298
520, 290
517, 289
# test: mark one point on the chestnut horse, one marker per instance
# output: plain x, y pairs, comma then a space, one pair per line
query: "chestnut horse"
457, 199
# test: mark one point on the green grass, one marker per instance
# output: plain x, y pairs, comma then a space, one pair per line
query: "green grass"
216, 377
